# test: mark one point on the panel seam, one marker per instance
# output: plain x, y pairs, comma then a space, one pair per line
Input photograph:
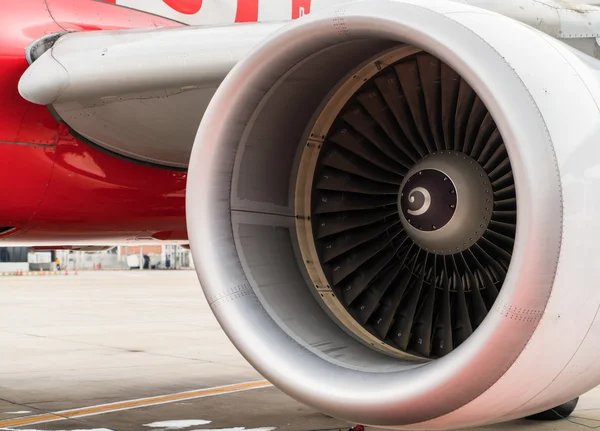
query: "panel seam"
52, 16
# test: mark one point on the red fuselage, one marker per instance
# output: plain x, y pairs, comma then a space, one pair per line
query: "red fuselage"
57, 189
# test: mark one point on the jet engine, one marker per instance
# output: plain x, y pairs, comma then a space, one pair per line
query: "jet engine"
393, 210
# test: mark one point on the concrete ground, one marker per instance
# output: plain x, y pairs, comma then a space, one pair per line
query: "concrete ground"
72, 342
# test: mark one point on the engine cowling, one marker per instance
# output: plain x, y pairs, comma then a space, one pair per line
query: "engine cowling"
391, 209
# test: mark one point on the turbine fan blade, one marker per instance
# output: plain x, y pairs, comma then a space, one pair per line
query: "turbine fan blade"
413, 299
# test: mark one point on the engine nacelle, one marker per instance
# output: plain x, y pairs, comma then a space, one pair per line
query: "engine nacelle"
391, 207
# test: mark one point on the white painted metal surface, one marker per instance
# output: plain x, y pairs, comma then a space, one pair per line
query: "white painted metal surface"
139, 93
536, 349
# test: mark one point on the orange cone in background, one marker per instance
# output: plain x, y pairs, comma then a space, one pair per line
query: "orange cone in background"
66, 271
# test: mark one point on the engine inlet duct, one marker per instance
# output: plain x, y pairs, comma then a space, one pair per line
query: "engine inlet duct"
413, 206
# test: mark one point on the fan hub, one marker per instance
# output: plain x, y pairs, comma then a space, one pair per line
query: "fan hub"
445, 202
428, 200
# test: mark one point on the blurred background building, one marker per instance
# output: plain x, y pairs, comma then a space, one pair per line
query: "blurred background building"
151, 257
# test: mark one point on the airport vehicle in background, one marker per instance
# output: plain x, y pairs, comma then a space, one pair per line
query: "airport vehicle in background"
392, 205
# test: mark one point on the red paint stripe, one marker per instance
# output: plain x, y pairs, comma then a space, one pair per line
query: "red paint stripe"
300, 8
247, 11
188, 7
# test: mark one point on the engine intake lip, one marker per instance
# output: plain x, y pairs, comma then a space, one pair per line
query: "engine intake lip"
397, 397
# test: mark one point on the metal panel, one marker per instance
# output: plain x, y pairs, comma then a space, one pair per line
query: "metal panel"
140, 93
156, 127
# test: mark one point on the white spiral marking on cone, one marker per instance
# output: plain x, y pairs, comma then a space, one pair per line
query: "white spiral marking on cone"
426, 201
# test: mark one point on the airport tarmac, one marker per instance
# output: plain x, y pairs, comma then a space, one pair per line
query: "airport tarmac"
140, 350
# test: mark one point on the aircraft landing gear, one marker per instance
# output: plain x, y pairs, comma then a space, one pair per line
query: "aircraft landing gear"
557, 413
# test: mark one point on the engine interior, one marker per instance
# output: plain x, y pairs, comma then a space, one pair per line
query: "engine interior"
341, 235
412, 206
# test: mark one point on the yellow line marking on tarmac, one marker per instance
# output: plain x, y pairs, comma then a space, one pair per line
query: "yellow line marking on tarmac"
132, 404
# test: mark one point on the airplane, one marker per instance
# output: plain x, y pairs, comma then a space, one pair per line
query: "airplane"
392, 204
